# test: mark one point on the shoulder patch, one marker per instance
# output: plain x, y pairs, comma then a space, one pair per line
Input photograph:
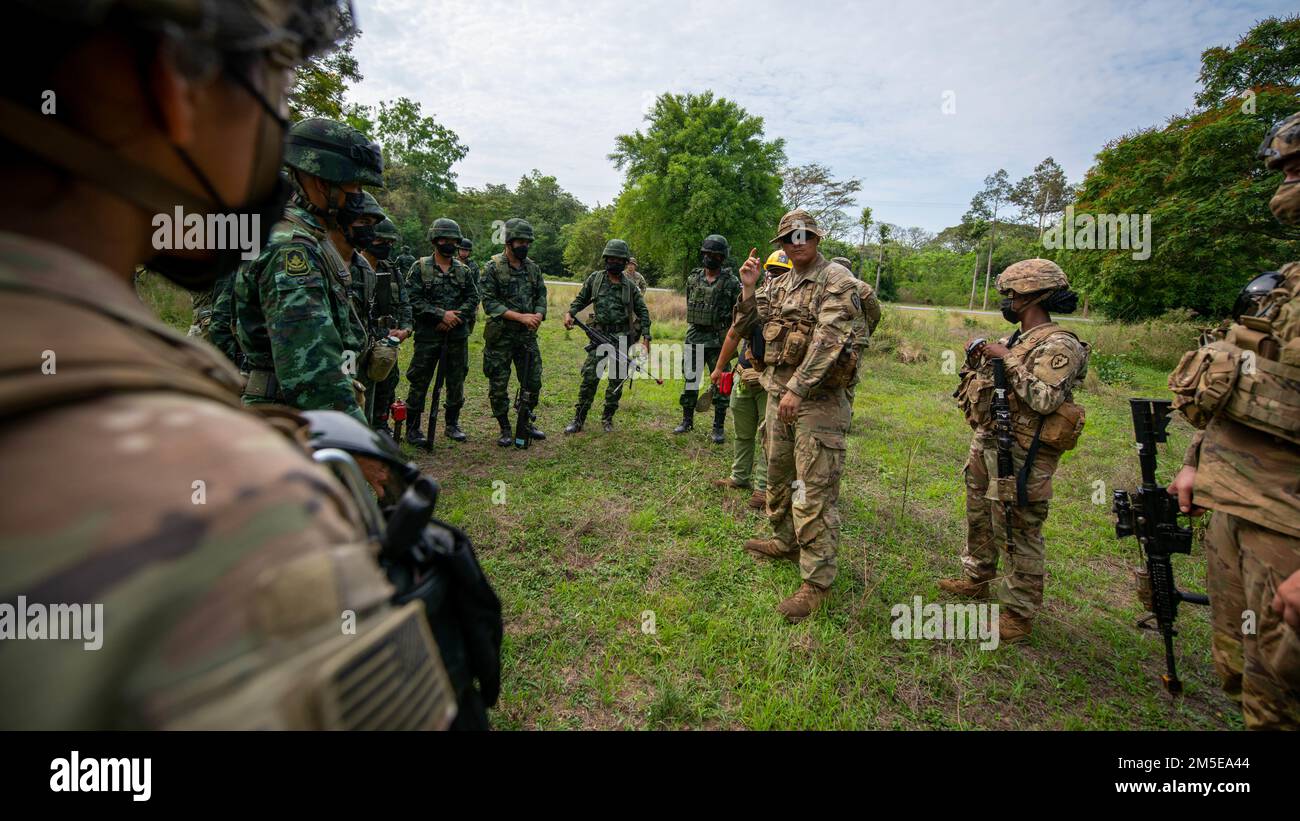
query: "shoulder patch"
295, 262
1059, 361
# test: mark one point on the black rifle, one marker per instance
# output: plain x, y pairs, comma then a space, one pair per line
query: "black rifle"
1001, 407
524, 401
626, 365
440, 374
1151, 515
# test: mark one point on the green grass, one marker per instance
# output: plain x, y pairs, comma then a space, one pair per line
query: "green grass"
599, 528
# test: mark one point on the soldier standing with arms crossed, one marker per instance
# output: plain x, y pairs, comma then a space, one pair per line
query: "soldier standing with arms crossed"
444, 298
1243, 391
806, 317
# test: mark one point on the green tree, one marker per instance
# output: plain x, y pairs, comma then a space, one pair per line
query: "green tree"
548, 208
418, 152
813, 188
1199, 180
701, 167
584, 239
319, 86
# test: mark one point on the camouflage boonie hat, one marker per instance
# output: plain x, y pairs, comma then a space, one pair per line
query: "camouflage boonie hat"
1282, 143
333, 151
1029, 276
796, 220
518, 229
444, 228
616, 248
385, 229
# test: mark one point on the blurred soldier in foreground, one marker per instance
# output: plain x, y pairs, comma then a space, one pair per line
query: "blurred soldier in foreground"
1243, 392
1043, 364
294, 319
444, 300
711, 294
619, 311
221, 555
806, 320
749, 400
514, 301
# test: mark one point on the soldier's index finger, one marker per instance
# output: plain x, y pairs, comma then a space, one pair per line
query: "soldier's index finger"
753, 253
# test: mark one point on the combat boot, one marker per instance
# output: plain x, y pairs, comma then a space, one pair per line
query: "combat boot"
730, 484
1013, 628
507, 436
802, 604
607, 421
966, 588
414, 434
758, 500
453, 430
719, 419
688, 421
579, 417
534, 432
771, 549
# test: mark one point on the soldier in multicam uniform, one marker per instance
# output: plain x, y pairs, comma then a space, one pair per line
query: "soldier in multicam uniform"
1044, 363
619, 311
293, 313
444, 300
222, 554
749, 400
865, 325
711, 294
1243, 392
634, 274
806, 317
392, 311
514, 301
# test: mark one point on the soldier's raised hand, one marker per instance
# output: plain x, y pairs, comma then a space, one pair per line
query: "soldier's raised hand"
752, 270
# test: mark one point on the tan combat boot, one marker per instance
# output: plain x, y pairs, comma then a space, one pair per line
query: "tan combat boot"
801, 605
966, 588
729, 484
771, 549
1013, 628
758, 500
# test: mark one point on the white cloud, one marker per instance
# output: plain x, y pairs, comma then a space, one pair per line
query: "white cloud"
856, 87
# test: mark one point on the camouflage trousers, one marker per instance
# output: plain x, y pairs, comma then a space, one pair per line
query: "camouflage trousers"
421, 372
1260, 669
804, 463
1020, 588
598, 364
692, 357
748, 410
497, 360
384, 394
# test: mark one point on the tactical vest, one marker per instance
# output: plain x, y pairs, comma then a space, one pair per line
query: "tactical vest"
1059, 430
786, 338
701, 300
633, 321
518, 292
1251, 372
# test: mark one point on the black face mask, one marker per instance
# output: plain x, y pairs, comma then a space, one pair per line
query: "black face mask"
710, 262
616, 267
520, 252
350, 211
380, 250
447, 249
1008, 313
360, 237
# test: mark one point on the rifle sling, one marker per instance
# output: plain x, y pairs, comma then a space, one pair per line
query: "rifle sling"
1022, 478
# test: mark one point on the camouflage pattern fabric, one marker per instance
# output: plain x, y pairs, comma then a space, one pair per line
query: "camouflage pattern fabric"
201, 313
748, 411
221, 332
638, 281
805, 459
293, 318
714, 301
433, 292
361, 293
505, 343
233, 600
390, 300
614, 302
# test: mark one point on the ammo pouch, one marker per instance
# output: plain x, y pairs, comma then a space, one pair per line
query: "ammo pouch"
1244, 386
974, 396
844, 369
1203, 380
784, 344
1059, 430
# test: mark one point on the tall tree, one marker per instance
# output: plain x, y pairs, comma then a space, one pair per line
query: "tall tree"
548, 208
864, 221
320, 85
984, 207
584, 240
1043, 194
813, 188
419, 152
700, 167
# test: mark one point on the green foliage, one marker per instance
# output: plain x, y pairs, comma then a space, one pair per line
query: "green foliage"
548, 207
1206, 192
701, 167
1113, 369
584, 239
418, 152
319, 86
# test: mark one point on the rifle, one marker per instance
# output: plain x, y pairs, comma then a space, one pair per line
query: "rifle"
523, 401
626, 365
1151, 515
440, 374
1001, 407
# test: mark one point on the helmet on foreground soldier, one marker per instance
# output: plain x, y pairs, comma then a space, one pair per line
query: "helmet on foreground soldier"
1253, 293
616, 248
518, 229
1281, 147
715, 244
1041, 278
444, 228
340, 155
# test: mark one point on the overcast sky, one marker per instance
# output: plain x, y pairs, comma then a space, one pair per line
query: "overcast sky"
857, 87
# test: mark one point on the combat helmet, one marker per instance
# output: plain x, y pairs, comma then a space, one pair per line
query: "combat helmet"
616, 248
715, 244
1030, 276
333, 151
386, 230
518, 229
444, 228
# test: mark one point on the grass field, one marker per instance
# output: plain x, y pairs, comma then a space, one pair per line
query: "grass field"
598, 530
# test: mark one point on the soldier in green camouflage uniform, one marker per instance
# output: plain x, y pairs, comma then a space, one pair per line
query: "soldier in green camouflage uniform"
200, 314
620, 312
293, 314
405, 259
444, 300
358, 237
221, 330
1044, 363
1243, 464
221, 554
514, 300
806, 317
392, 312
711, 293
